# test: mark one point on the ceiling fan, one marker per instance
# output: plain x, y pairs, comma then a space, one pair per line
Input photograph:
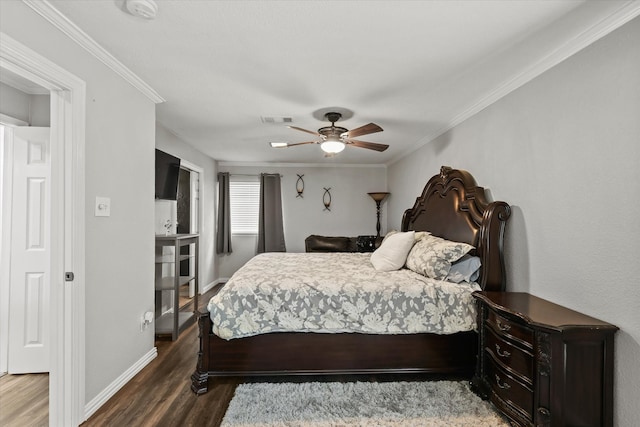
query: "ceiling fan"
334, 138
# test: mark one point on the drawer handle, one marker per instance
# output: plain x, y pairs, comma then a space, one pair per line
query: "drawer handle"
503, 326
502, 384
501, 353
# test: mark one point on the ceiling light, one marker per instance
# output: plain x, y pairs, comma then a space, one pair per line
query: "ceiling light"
332, 145
146, 9
278, 144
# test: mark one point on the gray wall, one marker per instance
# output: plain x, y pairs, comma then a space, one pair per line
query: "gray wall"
352, 213
119, 159
170, 143
32, 109
564, 151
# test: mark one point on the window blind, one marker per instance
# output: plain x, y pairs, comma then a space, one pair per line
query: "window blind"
244, 195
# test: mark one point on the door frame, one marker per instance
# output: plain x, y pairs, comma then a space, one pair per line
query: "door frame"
68, 92
199, 210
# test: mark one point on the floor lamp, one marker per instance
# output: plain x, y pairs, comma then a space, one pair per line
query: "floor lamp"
378, 198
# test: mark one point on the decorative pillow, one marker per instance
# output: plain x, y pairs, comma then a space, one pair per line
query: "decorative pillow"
392, 253
466, 269
419, 234
432, 256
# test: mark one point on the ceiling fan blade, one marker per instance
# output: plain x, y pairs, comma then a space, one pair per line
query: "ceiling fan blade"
302, 143
304, 130
369, 145
287, 145
362, 130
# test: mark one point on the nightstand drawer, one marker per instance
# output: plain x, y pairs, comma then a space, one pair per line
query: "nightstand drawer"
509, 390
511, 357
508, 329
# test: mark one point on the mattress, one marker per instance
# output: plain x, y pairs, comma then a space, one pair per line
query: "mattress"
337, 293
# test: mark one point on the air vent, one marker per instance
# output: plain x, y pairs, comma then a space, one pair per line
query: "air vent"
276, 119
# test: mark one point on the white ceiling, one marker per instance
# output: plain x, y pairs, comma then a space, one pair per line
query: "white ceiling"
416, 68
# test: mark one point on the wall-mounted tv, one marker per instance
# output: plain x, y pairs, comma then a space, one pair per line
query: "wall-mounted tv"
167, 172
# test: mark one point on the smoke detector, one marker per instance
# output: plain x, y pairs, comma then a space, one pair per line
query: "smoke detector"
146, 9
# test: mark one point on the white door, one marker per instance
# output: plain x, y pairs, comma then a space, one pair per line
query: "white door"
30, 251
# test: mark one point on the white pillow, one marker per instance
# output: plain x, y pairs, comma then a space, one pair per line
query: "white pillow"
392, 253
419, 234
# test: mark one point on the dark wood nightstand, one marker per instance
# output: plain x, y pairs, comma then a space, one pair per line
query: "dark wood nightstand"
542, 364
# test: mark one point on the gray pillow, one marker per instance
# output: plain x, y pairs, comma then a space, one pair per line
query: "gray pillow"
466, 269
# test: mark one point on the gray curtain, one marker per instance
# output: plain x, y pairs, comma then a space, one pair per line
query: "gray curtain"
270, 224
223, 238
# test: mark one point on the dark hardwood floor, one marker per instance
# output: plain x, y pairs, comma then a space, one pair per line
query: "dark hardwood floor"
160, 394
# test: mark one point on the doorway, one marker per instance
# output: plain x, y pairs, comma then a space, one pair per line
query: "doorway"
187, 208
67, 109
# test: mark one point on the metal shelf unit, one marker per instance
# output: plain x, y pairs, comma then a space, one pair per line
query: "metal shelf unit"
175, 321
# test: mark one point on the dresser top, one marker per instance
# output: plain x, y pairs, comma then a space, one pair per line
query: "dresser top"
539, 311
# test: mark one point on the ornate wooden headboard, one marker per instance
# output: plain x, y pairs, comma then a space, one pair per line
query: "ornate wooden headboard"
454, 207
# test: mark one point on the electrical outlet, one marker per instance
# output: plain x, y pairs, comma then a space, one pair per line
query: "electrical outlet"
146, 320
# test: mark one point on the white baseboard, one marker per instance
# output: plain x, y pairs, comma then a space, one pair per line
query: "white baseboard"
214, 284
106, 394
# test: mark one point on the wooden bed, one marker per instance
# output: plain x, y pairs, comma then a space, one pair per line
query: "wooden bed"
452, 206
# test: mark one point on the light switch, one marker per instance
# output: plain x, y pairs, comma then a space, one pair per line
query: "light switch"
103, 206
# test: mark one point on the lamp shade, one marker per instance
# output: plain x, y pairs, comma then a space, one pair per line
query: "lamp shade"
379, 197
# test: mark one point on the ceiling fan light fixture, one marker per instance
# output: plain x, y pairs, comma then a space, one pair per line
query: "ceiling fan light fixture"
278, 144
332, 146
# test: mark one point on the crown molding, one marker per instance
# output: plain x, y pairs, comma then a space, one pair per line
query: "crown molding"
299, 165
55, 17
606, 25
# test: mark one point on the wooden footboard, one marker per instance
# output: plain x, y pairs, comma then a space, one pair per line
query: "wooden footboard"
282, 354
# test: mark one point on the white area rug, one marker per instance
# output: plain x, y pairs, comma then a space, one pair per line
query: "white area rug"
320, 404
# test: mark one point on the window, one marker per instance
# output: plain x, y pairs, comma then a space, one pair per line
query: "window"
244, 196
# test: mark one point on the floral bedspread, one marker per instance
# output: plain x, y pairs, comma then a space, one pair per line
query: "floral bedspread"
337, 292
